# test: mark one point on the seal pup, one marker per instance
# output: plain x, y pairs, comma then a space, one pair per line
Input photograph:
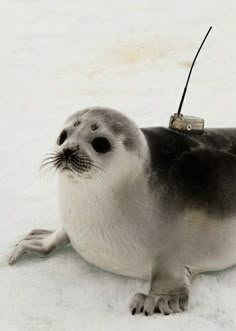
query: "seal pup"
148, 203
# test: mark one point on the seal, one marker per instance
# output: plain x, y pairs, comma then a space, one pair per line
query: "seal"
149, 203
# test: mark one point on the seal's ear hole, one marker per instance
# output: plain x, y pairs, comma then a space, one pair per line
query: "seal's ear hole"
61, 139
101, 145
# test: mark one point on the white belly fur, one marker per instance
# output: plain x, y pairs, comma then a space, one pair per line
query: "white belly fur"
101, 233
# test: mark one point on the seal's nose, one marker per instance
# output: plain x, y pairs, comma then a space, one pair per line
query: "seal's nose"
67, 152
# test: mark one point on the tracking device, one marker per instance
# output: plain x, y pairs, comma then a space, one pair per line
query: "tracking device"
188, 124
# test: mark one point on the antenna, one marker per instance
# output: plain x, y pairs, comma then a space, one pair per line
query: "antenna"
185, 88
188, 124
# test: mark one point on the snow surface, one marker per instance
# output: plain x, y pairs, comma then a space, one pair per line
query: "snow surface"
61, 56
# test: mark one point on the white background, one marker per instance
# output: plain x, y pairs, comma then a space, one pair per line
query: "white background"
59, 56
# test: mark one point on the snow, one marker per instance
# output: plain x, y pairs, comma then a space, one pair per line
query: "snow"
134, 56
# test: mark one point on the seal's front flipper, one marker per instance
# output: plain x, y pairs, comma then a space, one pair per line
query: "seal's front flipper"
40, 243
169, 293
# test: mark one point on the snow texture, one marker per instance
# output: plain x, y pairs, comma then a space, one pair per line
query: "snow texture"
134, 56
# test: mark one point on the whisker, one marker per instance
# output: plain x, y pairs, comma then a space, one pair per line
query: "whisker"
46, 171
45, 164
98, 167
99, 176
51, 161
53, 157
55, 167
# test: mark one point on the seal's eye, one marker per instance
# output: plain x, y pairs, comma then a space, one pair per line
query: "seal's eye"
101, 145
62, 138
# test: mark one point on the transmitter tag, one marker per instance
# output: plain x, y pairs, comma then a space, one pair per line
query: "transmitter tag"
186, 124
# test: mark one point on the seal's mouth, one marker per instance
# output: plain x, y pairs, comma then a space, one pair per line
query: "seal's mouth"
66, 160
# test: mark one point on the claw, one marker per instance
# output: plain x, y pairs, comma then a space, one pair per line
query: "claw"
166, 304
134, 311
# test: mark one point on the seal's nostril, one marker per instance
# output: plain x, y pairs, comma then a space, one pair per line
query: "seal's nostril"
67, 153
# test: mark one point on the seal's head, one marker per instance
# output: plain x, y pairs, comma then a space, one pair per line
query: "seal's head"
95, 141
